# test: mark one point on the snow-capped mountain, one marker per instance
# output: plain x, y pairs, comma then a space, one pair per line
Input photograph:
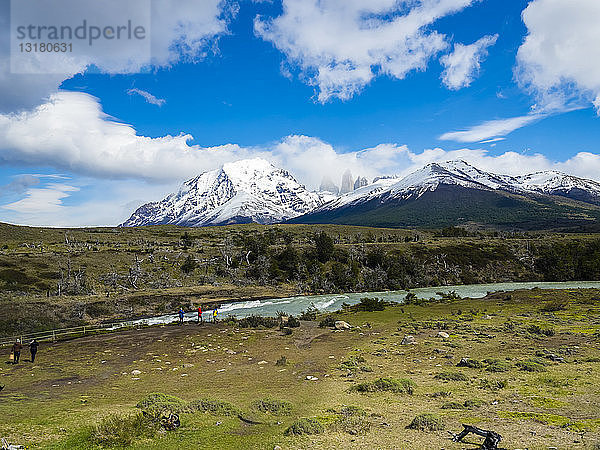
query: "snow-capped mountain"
556, 183
460, 173
438, 194
251, 190
442, 194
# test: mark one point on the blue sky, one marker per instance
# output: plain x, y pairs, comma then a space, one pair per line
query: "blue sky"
253, 89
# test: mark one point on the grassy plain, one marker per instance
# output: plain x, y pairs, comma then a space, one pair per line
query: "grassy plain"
532, 374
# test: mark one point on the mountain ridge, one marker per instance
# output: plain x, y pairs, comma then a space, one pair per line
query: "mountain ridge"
254, 190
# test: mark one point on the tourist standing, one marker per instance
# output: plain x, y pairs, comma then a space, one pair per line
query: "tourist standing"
33, 348
16, 351
181, 313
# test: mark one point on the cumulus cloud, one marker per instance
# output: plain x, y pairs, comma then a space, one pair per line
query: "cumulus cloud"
341, 45
462, 66
491, 130
559, 60
147, 96
185, 29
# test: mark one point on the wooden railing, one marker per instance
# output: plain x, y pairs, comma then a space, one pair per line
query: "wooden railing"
71, 333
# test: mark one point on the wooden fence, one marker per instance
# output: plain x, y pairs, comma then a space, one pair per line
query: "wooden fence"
71, 333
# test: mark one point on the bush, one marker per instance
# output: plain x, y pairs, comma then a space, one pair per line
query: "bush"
399, 386
473, 403
158, 402
355, 363
471, 363
310, 313
371, 304
281, 361
451, 376
327, 322
497, 365
531, 366
352, 421
122, 430
452, 405
257, 322
305, 426
493, 385
293, 322
441, 394
216, 407
427, 422
272, 406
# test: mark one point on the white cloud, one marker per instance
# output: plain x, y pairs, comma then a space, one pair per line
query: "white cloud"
491, 129
114, 170
147, 96
46, 200
462, 66
185, 29
341, 45
71, 133
559, 61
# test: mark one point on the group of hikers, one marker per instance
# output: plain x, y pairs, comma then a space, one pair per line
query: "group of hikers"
215, 314
18, 347
33, 346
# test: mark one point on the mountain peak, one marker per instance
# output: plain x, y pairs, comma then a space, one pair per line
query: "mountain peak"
249, 190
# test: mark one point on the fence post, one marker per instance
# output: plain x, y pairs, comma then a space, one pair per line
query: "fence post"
53, 335
84, 330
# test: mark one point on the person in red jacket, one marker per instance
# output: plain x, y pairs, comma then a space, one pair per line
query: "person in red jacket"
199, 313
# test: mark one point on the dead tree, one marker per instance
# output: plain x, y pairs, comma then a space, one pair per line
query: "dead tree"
492, 439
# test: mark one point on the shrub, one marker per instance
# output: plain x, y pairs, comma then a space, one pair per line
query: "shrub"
497, 365
310, 313
257, 322
473, 403
441, 394
293, 322
216, 407
471, 363
451, 376
399, 386
452, 405
426, 422
352, 424
355, 363
371, 304
531, 366
158, 402
272, 406
493, 385
281, 361
328, 321
305, 426
121, 430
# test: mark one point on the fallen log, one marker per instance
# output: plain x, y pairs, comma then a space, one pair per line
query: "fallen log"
492, 439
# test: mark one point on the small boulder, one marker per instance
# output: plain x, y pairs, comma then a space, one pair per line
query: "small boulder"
341, 325
136, 372
408, 340
443, 335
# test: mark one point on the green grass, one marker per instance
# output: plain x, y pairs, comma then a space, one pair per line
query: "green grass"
229, 400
